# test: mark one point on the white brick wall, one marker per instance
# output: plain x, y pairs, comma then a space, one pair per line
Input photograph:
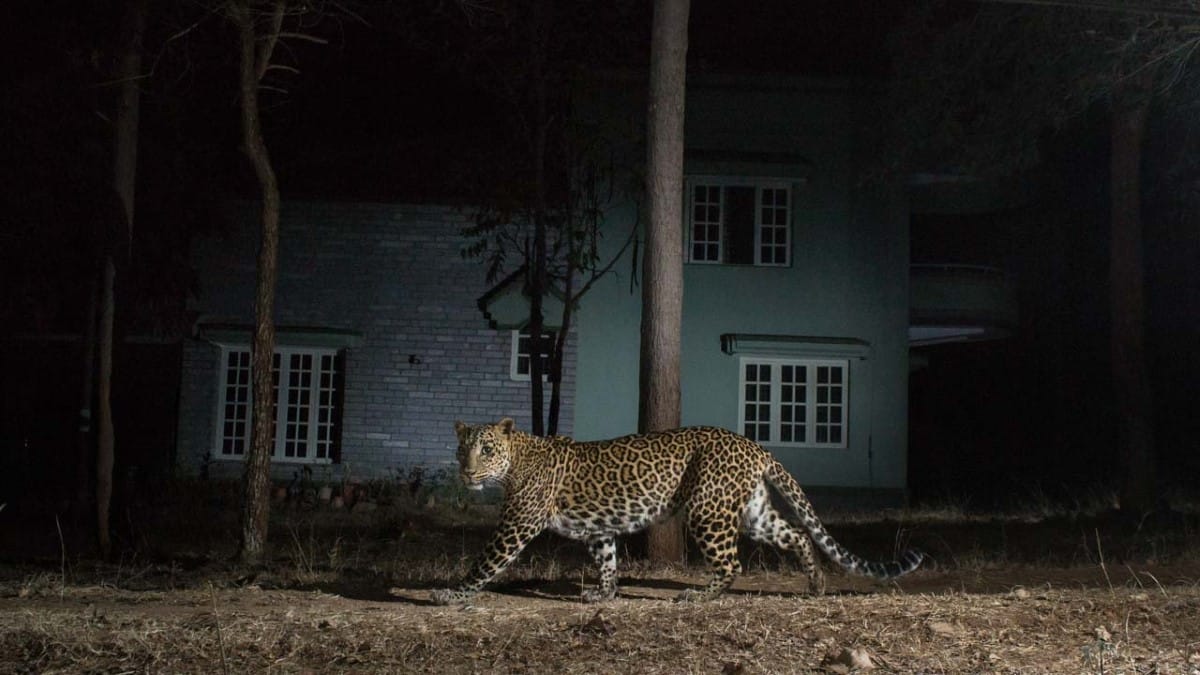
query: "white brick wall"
393, 274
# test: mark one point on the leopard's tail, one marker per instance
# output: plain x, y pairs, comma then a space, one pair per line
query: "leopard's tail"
781, 480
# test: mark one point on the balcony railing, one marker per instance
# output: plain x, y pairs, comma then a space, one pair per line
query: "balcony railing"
955, 303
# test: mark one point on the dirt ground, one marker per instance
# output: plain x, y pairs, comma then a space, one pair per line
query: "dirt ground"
348, 595
1055, 621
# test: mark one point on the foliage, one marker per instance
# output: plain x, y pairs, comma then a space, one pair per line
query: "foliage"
977, 86
540, 203
502, 234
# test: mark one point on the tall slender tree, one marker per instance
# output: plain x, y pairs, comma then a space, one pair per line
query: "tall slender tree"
258, 34
260, 30
1131, 375
125, 153
662, 276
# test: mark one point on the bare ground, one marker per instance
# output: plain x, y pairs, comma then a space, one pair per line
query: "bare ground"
932, 622
350, 594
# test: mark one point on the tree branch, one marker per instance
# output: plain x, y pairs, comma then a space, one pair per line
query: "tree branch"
269, 40
597, 274
291, 35
1114, 6
280, 66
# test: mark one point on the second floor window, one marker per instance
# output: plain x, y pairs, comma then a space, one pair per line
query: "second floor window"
739, 222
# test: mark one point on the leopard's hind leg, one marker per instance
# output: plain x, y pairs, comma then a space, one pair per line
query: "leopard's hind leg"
764, 524
713, 525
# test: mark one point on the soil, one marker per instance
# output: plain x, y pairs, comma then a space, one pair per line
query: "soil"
344, 595
1001, 620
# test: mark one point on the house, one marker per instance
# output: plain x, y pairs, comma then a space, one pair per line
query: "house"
800, 307
380, 343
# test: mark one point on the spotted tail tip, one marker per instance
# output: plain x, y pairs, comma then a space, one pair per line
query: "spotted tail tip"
908, 561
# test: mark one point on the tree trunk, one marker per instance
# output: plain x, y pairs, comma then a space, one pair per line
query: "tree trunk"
125, 150
536, 290
256, 502
83, 434
662, 276
537, 281
105, 455
1131, 381
559, 349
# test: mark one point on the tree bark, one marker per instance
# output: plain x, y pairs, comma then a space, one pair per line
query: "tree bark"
125, 151
1131, 381
256, 503
538, 283
83, 434
662, 275
559, 349
105, 442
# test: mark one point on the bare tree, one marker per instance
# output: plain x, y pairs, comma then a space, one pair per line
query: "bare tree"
259, 28
125, 152
662, 277
1131, 378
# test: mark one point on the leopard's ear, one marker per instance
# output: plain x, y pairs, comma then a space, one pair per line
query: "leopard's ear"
460, 429
505, 425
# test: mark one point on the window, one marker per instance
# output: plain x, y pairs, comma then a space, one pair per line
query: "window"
308, 404
794, 402
739, 222
521, 349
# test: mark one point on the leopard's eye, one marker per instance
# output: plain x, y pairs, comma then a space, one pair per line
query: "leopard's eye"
485, 450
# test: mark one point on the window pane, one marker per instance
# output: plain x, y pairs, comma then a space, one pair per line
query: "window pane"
236, 402
522, 367
773, 226
706, 223
739, 225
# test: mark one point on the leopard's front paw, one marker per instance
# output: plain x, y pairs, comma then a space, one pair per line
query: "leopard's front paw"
816, 583
592, 595
694, 595
449, 596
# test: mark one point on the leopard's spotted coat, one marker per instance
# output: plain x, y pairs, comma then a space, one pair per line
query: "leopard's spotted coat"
594, 491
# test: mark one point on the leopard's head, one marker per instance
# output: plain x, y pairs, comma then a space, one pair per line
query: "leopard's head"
484, 452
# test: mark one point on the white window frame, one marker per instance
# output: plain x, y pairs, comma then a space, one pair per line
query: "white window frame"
516, 355
762, 187
316, 450
813, 403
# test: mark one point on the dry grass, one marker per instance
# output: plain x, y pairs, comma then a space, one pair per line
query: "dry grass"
1047, 630
348, 593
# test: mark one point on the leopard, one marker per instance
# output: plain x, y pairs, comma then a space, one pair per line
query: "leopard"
595, 491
